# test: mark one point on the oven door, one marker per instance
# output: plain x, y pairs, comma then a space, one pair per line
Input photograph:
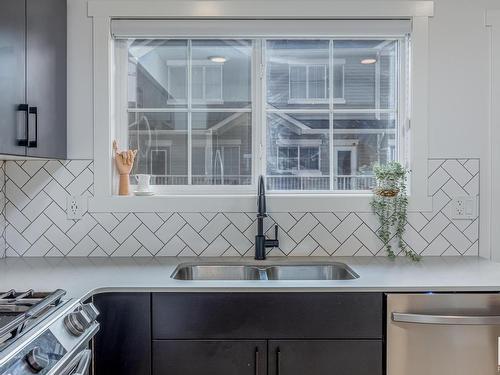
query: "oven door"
78, 365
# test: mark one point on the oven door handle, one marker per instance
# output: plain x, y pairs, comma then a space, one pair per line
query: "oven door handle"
446, 319
80, 364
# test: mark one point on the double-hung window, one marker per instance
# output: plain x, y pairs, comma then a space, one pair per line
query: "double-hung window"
312, 112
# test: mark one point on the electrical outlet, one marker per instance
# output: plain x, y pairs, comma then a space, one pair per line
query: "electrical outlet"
76, 207
464, 208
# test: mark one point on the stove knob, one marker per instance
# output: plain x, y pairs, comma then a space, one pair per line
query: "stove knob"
81, 319
37, 359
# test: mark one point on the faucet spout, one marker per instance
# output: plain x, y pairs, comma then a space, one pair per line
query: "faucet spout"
261, 198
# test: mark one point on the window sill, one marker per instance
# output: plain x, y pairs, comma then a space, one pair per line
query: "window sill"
245, 203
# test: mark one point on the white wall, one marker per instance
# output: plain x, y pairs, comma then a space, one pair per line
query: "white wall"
459, 74
458, 96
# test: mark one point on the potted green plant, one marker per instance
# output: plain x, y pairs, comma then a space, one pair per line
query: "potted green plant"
390, 204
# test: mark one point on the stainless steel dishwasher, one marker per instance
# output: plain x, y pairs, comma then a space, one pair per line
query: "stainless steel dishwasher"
443, 334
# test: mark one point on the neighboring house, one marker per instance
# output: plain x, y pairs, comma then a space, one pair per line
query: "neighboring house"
298, 143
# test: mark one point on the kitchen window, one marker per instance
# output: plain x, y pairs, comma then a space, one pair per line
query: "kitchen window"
312, 114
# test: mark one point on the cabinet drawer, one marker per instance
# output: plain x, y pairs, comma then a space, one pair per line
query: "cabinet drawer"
186, 357
267, 315
325, 357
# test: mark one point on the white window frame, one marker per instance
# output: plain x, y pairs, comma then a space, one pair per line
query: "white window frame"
105, 114
490, 201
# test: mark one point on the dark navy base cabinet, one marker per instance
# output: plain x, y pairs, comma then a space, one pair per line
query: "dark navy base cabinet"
240, 333
221, 357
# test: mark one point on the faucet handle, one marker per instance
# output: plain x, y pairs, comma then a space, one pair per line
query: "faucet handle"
273, 242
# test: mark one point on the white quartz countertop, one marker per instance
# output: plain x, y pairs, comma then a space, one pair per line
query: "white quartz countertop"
83, 277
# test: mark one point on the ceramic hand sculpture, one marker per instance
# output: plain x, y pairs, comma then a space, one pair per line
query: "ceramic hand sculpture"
124, 161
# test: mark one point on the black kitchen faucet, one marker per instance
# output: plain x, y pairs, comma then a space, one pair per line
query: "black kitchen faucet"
261, 242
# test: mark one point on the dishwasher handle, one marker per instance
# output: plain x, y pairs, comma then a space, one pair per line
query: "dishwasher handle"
446, 319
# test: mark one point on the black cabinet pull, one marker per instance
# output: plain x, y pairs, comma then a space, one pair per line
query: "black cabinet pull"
24, 141
256, 361
278, 361
34, 111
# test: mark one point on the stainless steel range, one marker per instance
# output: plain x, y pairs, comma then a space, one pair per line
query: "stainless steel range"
44, 333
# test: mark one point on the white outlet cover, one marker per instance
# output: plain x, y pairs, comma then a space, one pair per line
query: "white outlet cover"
464, 208
76, 206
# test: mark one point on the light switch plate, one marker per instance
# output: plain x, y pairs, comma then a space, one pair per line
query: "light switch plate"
76, 207
464, 208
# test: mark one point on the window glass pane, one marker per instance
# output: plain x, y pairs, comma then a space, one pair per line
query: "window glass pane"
298, 82
316, 81
227, 79
157, 73
223, 144
309, 158
160, 161
338, 81
361, 140
370, 73
197, 85
290, 135
161, 141
297, 73
288, 159
313, 142
213, 83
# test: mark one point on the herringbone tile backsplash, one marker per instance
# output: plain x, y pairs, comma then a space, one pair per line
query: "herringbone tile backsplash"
34, 221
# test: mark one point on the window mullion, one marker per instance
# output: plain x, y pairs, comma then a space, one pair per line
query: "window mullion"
330, 114
260, 81
189, 114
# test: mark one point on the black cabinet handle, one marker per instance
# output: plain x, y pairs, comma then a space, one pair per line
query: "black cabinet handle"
278, 361
24, 141
34, 111
256, 361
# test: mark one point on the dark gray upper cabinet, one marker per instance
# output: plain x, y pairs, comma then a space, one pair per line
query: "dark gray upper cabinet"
33, 78
13, 111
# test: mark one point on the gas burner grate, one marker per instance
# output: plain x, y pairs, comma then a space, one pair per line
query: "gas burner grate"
20, 310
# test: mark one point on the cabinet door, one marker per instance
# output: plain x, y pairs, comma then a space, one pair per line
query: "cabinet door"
12, 77
46, 77
191, 357
123, 343
325, 357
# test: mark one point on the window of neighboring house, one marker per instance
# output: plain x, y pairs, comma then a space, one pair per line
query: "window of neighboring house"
308, 114
338, 81
159, 162
307, 83
206, 82
223, 165
295, 158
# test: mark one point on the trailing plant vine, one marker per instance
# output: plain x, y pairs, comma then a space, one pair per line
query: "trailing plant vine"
390, 204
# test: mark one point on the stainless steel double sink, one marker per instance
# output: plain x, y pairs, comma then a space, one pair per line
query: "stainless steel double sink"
232, 271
